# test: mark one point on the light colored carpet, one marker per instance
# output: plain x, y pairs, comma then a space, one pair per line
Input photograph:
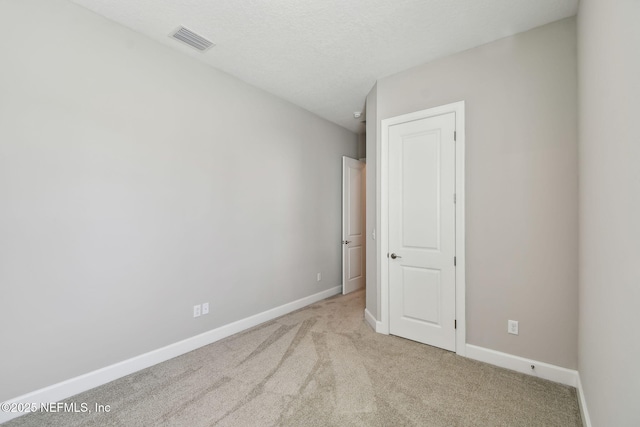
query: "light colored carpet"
322, 366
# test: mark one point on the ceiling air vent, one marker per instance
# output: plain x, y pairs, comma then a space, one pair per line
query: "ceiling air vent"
192, 39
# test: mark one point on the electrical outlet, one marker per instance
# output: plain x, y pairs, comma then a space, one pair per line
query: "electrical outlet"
512, 327
205, 308
196, 310
319, 277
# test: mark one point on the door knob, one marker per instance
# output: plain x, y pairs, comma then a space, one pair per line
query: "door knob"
346, 242
394, 256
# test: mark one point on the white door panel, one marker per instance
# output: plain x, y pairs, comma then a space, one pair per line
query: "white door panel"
353, 225
422, 230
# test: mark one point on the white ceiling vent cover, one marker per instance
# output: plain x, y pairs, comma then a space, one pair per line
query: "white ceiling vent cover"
192, 39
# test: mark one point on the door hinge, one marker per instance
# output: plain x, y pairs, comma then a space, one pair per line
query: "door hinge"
454, 261
455, 324
455, 135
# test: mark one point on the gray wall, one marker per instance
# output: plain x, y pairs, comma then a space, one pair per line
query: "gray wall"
521, 183
136, 182
373, 291
609, 82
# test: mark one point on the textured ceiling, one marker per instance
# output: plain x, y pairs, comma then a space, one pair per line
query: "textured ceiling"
325, 55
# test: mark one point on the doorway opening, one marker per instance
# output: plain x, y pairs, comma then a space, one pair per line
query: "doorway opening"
353, 225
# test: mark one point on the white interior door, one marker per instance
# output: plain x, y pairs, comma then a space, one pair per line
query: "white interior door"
353, 224
422, 230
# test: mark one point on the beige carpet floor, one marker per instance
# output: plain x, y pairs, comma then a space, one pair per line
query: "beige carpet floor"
322, 366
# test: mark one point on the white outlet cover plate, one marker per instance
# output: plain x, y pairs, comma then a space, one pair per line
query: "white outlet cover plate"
512, 327
205, 308
196, 310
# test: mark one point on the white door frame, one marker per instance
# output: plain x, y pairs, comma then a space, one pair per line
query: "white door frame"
383, 215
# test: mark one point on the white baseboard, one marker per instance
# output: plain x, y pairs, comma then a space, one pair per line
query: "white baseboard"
370, 319
582, 402
520, 364
375, 324
73, 386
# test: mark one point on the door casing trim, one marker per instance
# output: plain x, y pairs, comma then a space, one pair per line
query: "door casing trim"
382, 211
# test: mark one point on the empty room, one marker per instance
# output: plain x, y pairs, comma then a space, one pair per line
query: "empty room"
319, 213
